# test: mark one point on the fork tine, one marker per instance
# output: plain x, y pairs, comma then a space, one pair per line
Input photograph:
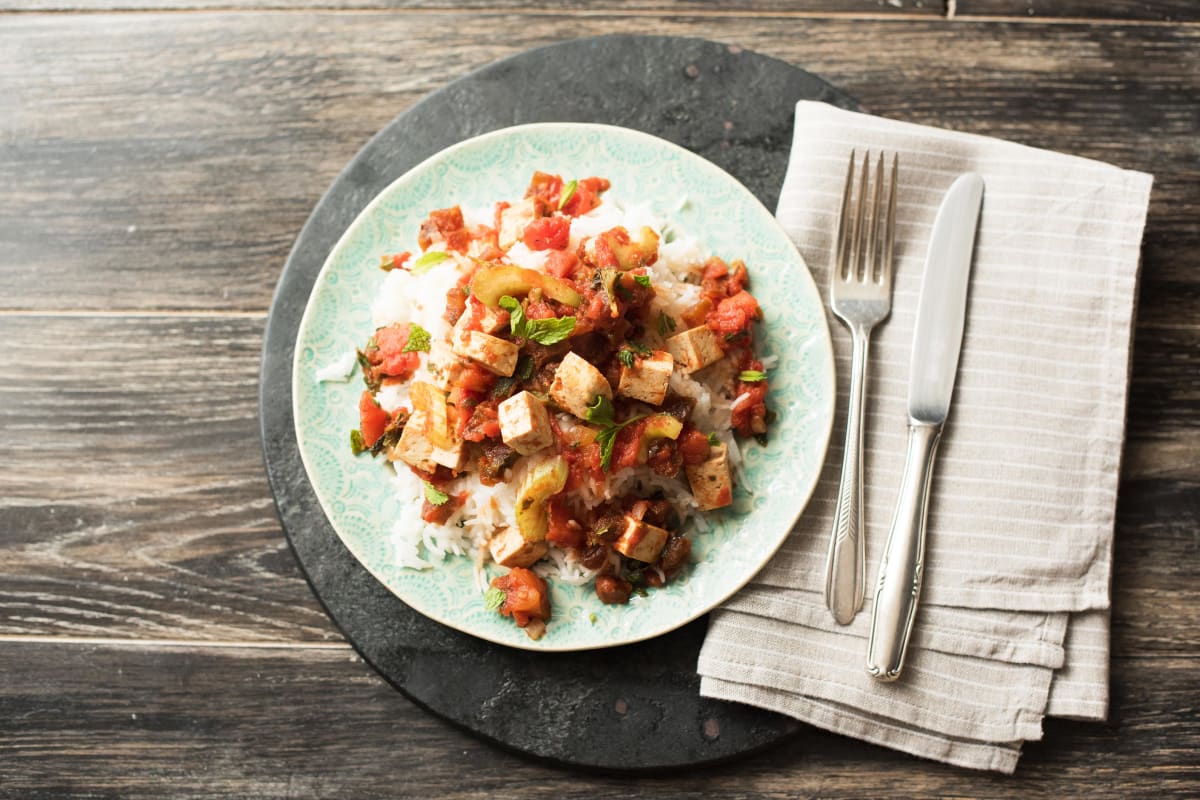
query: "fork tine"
887, 267
877, 230
858, 253
843, 236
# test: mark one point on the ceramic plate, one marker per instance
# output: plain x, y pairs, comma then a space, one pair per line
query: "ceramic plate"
356, 492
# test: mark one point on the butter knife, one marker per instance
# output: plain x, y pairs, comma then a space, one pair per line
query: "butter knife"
937, 340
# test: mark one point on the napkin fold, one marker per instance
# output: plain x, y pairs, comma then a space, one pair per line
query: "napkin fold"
1013, 623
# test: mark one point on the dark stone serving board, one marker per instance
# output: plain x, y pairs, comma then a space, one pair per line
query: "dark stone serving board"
635, 707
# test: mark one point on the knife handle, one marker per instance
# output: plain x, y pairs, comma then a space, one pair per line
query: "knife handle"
903, 561
844, 564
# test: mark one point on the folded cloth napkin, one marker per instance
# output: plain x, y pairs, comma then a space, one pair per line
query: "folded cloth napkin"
1013, 623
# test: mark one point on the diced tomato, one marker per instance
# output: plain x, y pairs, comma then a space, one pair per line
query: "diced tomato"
463, 401
484, 422
548, 233
734, 314
693, 446
750, 415
438, 515
372, 419
586, 196
390, 357
445, 225
545, 190
526, 596
564, 530
397, 260
475, 378
627, 445
561, 264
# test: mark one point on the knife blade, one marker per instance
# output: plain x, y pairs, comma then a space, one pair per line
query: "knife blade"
937, 340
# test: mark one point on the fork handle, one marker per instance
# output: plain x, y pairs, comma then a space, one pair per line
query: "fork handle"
903, 562
844, 567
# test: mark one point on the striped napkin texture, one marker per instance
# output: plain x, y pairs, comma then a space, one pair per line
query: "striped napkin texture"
1013, 623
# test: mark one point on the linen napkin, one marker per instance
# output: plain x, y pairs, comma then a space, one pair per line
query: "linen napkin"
1013, 623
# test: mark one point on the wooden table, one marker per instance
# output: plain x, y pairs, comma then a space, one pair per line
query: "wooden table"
157, 159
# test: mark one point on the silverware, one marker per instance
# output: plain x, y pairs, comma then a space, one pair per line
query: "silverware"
860, 294
937, 340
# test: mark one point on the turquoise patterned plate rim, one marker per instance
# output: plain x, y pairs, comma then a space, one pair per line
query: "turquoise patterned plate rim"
357, 494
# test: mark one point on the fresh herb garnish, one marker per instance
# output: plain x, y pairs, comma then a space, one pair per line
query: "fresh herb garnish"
713, 439
524, 370
665, 323
542, 331
630, 350
642, 280
419, 339
428, 262
357, 445
751, 376
602, 413
494, 598
434, 495
568, 191
626, 357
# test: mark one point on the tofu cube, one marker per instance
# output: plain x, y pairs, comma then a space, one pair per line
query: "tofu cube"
444, 368
513, 221
524, 424
510, 549
577, 384
640, 540
495, 355
647, 379
711, 483
695, 348
478, 317
415, 449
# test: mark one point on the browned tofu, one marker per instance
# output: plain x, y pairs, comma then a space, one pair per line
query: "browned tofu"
577, 384
493, 354
695, 348
513, 221
415, 449
640, 540
524, 424
478, 317
510, 549
648, 378
711, 482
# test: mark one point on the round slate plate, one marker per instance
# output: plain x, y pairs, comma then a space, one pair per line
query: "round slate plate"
635, 707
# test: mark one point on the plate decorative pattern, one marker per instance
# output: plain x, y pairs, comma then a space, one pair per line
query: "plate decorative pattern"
694, 196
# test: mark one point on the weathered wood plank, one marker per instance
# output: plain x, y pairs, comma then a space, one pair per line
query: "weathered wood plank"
1150, 10
791, 7
133, 502
132, 498
139, 722
190, 196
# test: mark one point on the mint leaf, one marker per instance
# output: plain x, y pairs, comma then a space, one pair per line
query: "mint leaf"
568, 191
434, 495
549, 331
665, 323
494, 598
428, 262
419, 339
642, 280
713, 439
626, 357
357, 443
751, 376
516, 315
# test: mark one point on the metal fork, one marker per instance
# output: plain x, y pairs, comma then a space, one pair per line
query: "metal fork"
860, 294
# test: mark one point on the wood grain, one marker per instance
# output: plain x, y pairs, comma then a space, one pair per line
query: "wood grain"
134, 505
132, 499
317, 723
1083, 10
724, 7
191, 195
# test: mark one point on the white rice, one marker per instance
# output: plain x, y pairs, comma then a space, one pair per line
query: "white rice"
339, 369
421, 299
